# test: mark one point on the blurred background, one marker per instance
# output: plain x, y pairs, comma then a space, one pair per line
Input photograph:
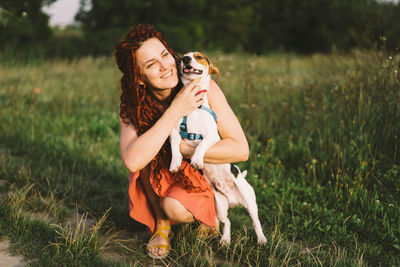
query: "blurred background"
253, 26
315, 85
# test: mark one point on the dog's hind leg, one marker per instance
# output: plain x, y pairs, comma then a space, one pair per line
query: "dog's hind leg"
248, 200
261, 239
251, 206
222, 206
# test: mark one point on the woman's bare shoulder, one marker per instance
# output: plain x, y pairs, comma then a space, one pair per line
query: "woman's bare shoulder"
217, 99
124, 123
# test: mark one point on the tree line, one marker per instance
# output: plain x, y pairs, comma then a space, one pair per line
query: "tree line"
255, 26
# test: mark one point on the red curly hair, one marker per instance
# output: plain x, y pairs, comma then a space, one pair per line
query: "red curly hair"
138, 104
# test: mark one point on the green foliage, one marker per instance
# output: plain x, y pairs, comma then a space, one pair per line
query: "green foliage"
323, 133
107, 22
308, 26
24, 23
257, 27
254, 26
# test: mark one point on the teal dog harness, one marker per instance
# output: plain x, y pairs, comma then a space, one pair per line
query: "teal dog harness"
194, 136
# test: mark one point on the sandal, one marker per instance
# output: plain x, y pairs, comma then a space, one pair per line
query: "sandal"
166, 246
204, 231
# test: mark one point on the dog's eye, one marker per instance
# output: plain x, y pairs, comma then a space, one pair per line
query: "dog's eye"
199, 57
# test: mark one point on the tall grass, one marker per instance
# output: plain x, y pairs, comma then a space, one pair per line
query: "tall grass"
323, 133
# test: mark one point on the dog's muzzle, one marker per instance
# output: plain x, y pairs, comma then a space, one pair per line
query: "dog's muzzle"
186, 60
187, 69
190, 70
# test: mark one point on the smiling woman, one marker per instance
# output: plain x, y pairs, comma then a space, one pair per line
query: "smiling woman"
159, 70
152, 102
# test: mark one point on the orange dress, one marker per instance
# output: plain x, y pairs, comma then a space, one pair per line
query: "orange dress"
200, 204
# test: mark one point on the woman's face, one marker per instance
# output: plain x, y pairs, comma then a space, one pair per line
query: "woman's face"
157, 66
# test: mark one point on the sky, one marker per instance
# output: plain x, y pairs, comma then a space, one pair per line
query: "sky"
62, 12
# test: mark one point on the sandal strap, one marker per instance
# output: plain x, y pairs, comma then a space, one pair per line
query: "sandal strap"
159, 232
167, 247
167, 227
163, 235
207, 231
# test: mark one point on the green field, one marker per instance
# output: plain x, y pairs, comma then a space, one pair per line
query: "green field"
324, 162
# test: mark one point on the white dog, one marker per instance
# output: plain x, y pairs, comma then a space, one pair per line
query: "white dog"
199, 129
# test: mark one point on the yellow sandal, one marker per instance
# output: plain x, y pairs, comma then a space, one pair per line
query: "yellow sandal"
204, 231
166, 246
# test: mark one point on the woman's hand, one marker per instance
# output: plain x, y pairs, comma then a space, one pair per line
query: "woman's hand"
186, 100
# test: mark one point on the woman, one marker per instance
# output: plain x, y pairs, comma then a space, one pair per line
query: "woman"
152, 102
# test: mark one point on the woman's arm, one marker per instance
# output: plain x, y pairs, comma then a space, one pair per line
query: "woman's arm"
138, 151
233, 146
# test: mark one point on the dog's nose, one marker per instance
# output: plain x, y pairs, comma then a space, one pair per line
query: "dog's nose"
186, 60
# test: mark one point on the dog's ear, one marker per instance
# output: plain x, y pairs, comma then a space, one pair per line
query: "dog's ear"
212, 68
244, 174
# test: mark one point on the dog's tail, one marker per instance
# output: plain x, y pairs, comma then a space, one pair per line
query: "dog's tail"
242, 186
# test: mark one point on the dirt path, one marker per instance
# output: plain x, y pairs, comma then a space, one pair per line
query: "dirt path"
6, 260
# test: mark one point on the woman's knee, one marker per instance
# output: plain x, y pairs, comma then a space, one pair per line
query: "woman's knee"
176, 211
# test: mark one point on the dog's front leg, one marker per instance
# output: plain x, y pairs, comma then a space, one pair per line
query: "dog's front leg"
176, 160
198, 155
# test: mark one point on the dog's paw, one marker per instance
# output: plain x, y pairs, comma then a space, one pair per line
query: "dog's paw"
175, 167
197, 163
225, 240
176, 163
261, 240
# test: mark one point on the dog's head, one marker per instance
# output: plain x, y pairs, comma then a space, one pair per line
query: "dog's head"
196, 65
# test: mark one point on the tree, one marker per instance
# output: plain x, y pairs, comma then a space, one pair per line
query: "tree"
26, 23
180, 21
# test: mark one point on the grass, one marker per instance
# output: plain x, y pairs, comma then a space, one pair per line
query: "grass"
323, 133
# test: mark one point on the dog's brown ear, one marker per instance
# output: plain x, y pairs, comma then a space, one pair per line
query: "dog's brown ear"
213, 69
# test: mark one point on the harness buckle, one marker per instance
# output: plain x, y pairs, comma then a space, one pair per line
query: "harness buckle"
191, 136
183, 127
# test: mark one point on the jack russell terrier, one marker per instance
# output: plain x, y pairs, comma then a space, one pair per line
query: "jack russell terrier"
199, 129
